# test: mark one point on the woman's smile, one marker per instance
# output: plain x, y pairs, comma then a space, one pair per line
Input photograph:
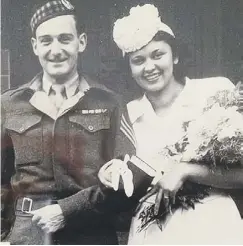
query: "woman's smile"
152, 77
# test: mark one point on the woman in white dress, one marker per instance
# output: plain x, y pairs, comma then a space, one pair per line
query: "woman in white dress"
154, 121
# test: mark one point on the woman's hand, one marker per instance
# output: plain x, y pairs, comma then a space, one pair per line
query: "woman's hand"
110, 174
167, 187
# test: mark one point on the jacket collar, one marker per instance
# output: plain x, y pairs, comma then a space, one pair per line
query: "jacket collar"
85, 83
81, 83
41, 101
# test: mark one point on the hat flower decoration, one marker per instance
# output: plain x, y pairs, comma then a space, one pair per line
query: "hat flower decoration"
136, 30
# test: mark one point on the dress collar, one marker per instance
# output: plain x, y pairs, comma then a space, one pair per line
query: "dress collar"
138, 107
142, 106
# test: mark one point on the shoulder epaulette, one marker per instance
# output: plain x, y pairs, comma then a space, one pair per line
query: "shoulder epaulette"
25, 86
100, 93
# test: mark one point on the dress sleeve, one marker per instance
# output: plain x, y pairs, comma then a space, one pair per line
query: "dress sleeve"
216, 84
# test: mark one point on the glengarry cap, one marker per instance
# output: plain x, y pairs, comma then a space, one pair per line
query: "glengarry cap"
49, 10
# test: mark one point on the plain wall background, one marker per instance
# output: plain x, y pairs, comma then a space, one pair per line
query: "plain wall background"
212, 29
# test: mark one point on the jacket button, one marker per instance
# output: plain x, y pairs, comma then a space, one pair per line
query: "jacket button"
91, 128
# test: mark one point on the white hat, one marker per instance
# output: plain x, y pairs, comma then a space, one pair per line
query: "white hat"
136, 30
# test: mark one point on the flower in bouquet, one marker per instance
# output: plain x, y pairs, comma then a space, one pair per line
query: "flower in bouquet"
214, 138
217, 132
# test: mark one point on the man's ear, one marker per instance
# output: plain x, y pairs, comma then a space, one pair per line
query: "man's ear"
82, 42
34, 45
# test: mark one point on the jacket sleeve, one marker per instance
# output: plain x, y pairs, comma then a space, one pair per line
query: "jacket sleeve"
124, 141
7, 171
96, 200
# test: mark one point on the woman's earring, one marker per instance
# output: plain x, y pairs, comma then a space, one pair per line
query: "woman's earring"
176, 60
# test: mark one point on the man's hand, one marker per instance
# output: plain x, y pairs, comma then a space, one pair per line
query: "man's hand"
167, 187
49, 218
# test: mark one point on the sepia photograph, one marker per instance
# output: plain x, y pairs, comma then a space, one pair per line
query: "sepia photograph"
122, 122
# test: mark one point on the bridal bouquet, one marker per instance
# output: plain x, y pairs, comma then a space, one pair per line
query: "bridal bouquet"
213, 138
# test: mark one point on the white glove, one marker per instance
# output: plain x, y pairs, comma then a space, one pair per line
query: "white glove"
111, 172
127, 177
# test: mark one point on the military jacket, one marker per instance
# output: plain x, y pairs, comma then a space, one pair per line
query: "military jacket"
60, 157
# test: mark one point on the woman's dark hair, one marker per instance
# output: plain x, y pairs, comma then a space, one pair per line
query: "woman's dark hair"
179, 70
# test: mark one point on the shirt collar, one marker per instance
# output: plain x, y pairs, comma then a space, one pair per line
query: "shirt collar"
83, 85
71, 86
138, 108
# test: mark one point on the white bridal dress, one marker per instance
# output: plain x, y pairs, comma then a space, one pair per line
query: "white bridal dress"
216, 220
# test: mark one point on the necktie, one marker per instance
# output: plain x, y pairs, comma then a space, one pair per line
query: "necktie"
57, 95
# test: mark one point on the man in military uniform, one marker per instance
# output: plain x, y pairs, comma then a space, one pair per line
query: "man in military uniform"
58, 130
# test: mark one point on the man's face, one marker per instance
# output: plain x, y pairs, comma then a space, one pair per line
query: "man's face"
57, 45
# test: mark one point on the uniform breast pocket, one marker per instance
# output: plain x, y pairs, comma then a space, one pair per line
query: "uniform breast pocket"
87, 138
27, 136
91, 123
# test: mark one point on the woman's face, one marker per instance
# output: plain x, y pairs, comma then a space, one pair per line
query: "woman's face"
152, 66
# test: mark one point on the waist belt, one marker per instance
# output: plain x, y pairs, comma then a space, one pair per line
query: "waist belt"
25, 205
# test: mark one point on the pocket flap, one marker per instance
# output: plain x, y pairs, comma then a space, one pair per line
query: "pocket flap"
21, 123
92, 123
